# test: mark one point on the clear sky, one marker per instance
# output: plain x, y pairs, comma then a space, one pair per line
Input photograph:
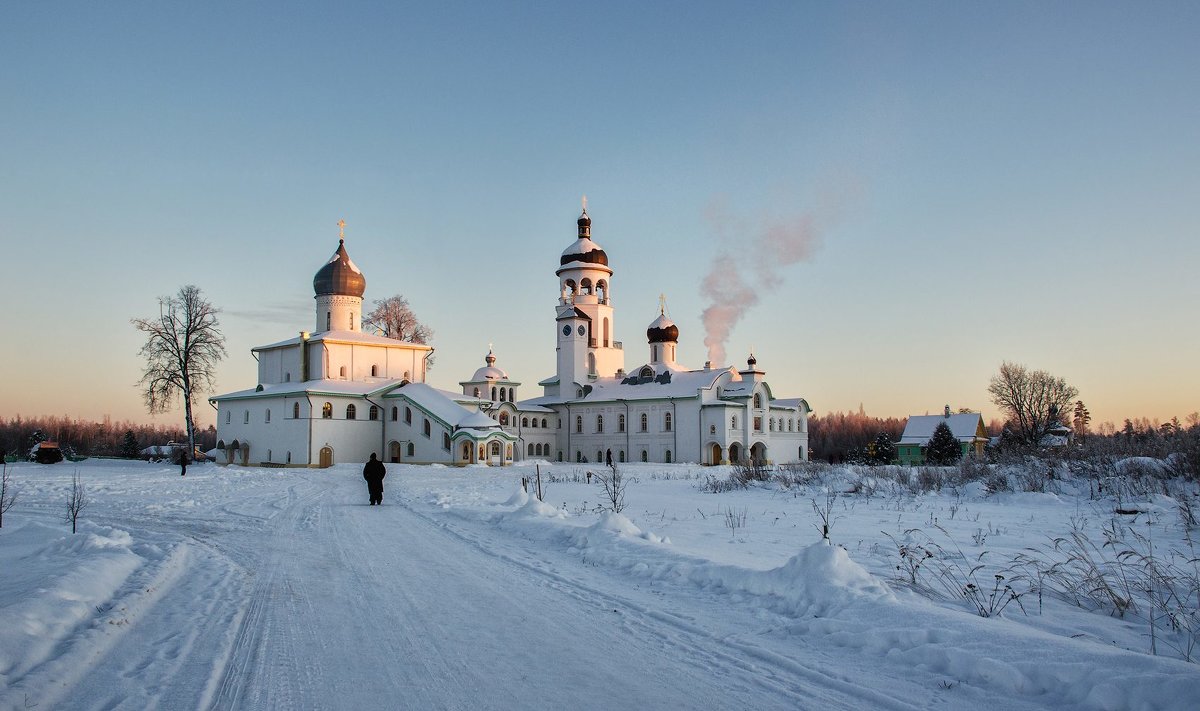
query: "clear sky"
979, 182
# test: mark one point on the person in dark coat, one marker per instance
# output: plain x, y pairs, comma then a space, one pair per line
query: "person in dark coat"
374, 472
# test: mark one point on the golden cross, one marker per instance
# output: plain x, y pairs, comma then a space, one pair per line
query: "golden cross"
662, 304
584, 201
341, 229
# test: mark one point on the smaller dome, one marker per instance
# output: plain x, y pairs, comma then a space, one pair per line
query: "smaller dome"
584, 250
662, 330
490, 371
751, 361
340, 276
584, 220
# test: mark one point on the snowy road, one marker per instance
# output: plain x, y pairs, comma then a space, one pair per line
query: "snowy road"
305, 597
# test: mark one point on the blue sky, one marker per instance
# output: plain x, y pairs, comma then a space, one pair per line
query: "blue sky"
992, 181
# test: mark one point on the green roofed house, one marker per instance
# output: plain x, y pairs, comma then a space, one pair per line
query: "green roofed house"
967, 428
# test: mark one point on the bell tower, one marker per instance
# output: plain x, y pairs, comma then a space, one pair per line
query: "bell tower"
584, 313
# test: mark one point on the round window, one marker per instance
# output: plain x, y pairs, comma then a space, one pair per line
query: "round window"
566, 330
582, 330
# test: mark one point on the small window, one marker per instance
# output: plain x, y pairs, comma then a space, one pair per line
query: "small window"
503, 395
733, 422
645, 456
408, 415
712, 429
327, 411
342, 371
621, 455
504, 419
328, 320
412, 449
758, 424
228, 416
351, 412
530, 452
599, 456
395, 413
620, 423
268, 419
543, 422
287, 377
289, 457
524, 421
476, 392
493, 393
668, 456
426, 428
579, 423
373, 413
374, 373
645, 422
295, 410
667, 422
446, 441
599, 423
757, 400
578, 456
246, 417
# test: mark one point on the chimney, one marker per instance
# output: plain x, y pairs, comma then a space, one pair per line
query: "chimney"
708, 365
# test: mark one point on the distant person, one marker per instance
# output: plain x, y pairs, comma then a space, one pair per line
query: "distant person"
183, 462
374, 472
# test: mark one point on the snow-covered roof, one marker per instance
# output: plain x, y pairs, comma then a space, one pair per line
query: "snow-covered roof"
792, 402
490, 372
583, 245
444, 405
347, 337
667, 383
358, 388
964, 427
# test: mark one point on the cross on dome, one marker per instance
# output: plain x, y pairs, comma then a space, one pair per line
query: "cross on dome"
341, 230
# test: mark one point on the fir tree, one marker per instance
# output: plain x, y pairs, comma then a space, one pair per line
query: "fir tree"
943, 448
883, 449
129, 446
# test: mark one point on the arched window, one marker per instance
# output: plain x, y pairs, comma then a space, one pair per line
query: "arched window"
374, 371
504, 419
645, 457
351, 412
733, 422
268, 420
621, 455
295, 410
246, 417
667, 422
289, 457
599, 423
591, 363
645, 422
503, 394
408, 415
508, 451
621, 423
373, 413
712, 429
543, 422
771, 425
530, 453
757, 400
228, 416
790, 425
426, 428
412, 449
493, 393
287, 377
446, 441
602, 291
476, 392
647, 372
524, 421
579, 423
395, 413
605, 332
327, 411
585, 286
570, 287
342, 371
668, 456
599, 456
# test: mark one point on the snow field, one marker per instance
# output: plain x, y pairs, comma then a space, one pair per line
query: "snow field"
244, 588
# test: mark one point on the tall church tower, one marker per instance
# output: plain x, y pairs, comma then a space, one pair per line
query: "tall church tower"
586, 349
339, 287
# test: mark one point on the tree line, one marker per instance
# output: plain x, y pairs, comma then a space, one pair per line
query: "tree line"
92, 439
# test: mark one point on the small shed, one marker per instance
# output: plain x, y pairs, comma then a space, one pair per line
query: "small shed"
967, 428
46, 453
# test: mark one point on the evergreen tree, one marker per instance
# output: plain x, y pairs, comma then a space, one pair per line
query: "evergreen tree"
129, 446
943, 448
883, 449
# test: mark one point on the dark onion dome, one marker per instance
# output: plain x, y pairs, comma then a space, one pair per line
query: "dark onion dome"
751, 361
662, 330
584, 249
340, 276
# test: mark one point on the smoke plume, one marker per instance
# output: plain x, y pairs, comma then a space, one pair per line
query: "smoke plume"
751, 260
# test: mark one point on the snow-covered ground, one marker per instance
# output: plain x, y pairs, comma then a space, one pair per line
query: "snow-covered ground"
271, 588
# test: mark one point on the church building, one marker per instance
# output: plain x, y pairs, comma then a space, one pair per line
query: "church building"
337, 394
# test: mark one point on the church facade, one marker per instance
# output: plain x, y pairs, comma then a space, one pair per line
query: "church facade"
337, 394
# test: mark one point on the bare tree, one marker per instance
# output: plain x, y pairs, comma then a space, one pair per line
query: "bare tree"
183, 347
8, 494
393, 318
77, 502
613, 482
1032, 401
